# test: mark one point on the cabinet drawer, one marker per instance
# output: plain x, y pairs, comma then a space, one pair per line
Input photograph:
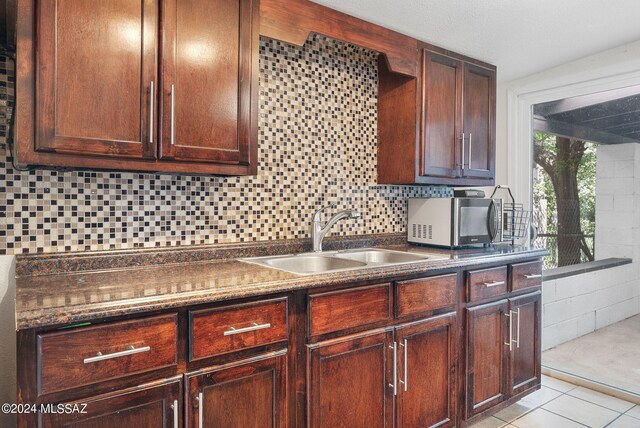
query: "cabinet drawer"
526, 275
486, 283
232, 328
73, 358
352, 307
425, 295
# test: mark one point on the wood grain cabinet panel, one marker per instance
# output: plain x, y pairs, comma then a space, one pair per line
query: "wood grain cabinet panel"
158, 405
348, 383
247, 394
209, 111
349, 308
525, 362
479, 104
486, 283
526, 275
425, 295
487, 356
427, 375
87, 355
233, 328
97, 62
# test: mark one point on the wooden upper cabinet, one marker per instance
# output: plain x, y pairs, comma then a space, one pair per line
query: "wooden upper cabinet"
143, 85
438, 128
442, 89
479, 101
96, 64
207, 80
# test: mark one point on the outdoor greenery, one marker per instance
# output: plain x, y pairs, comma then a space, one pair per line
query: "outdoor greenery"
575, 169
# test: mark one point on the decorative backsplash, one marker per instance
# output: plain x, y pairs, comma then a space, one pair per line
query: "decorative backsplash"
317, 134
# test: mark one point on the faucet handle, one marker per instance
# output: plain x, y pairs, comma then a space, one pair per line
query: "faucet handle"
317, 215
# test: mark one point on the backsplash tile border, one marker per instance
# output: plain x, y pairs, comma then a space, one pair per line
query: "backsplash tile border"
317, 132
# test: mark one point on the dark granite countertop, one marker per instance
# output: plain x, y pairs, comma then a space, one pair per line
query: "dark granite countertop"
70, 297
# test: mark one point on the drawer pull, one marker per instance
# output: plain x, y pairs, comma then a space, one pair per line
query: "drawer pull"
532, 276
254, 327
493, 284
131, 351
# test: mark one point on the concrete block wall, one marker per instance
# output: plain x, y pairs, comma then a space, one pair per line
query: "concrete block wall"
580, 304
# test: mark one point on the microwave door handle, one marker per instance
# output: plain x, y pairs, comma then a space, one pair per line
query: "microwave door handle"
492, 220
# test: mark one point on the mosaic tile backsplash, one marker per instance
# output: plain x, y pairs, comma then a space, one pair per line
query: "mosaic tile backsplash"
317, 134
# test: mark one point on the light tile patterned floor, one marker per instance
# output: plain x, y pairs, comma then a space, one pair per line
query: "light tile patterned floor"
560, 404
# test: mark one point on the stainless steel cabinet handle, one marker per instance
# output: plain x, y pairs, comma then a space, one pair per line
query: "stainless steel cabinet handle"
532, 276
151, 102
462, 154
469, 157
493, 284
394, 385
518, 329
174, 407
510, 343
173, 115
100, 357
200, 410
406, 367
254, 327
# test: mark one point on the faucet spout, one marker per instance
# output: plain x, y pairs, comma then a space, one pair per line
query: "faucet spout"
318, 231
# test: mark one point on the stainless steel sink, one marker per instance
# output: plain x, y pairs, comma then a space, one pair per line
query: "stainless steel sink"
333, 261
311, 263
382, 256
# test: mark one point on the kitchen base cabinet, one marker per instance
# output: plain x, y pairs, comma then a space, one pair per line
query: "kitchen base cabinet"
350, 381
524, 368
144, 406
248, 394
487, 356
427, 358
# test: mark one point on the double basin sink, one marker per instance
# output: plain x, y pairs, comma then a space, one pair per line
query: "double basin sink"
333, 261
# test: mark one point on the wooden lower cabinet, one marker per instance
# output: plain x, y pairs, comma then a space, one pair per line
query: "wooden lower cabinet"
524, 369
503, 350
145, 406
427, 359
248, 394
487, 356
350, 381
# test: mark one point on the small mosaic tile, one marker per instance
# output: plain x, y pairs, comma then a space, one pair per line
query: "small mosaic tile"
317, 147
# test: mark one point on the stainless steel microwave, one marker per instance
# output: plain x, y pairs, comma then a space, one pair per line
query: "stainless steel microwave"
454, 222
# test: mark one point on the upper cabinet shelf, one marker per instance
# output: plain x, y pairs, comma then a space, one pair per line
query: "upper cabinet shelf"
440, 127
139, 85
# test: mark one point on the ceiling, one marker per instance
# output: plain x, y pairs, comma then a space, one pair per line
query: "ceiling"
611, 117
520, 37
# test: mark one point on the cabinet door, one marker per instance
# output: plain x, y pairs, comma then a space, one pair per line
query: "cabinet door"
441, 126
152, 406
524, 367
96, 65
487, 356
248, 394
209, 74
349, 381
479, 103
427, 357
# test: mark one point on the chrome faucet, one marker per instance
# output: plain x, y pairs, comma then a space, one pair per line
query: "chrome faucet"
318, 231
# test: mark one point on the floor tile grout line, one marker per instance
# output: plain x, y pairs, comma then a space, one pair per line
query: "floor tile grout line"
595, 404
563, 416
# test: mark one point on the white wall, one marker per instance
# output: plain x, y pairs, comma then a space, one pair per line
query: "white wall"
7, 337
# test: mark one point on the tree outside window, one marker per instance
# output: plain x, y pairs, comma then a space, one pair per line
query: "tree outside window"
564, 194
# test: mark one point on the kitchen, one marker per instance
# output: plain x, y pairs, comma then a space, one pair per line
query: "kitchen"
318, 146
